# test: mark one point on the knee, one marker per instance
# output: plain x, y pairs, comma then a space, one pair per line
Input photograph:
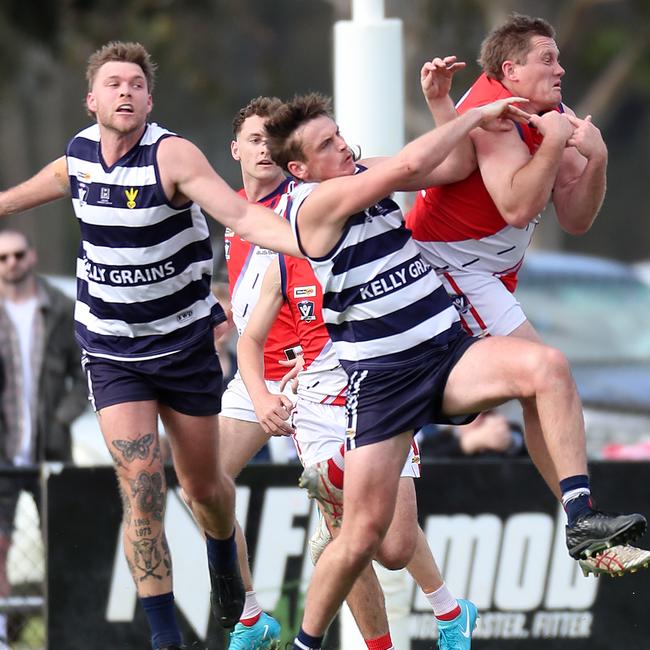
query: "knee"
361, 548
553, 369
142, 489
395, 553
206, 492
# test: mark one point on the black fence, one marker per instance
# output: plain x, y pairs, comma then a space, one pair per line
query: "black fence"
22, 560
494, 528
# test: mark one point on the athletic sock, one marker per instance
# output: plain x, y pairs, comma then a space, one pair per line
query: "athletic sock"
252, 610
161, 616
335, 468
576, 496
380, 643
305, 641
339, 457
335, 474
444, 605
222, 553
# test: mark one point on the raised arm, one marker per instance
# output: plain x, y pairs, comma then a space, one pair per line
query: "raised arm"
272, 410
330, 205
582, 178
49, 184
187, 174
520, 184
435, 80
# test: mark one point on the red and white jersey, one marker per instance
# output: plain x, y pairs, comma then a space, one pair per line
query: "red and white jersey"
322, 380
247, 265
458, 226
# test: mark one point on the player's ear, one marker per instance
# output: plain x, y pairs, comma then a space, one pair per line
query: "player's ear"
297, 169
234, 150
509, 69
91, 103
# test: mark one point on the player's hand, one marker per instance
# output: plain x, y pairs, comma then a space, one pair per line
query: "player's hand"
295, 366
553, 124
273, 413
436, 76
586, 137
500, 114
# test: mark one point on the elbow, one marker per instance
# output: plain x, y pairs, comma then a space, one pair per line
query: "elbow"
518, 218
576, 229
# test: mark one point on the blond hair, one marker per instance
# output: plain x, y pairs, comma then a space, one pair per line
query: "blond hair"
120, 51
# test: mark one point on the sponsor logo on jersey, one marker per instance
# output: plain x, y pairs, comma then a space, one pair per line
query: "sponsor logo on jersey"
131, 195
135, 276
104, 196
307, 310
304, 292
461, 303
83, 192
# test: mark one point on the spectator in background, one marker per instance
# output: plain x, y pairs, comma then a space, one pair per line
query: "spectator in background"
43, 384
490, 435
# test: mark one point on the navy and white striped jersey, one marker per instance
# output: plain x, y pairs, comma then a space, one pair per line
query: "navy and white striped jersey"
382, 303
144, 267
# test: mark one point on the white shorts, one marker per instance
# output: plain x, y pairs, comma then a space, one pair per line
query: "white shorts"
484, 304
320, 432
237, 404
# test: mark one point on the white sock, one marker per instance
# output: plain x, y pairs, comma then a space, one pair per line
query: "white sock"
339, 458
251, 606
442, 601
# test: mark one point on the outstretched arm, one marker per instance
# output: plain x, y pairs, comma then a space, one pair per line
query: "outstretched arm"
325, 211
47, 185
272, 410
187, 174
582, 178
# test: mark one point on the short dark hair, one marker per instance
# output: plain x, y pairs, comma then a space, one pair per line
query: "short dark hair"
120, 51
281, 126
511, 40
261, 106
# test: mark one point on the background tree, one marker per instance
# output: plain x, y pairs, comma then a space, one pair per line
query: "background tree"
215, 55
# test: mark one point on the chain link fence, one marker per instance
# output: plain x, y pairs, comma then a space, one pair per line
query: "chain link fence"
22, 562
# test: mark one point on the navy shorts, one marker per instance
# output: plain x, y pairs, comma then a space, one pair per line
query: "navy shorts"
189, 381
384, 402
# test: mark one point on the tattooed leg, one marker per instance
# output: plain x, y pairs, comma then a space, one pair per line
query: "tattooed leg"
143, 489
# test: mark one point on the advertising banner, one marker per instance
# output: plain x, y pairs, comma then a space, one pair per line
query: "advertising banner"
493, 526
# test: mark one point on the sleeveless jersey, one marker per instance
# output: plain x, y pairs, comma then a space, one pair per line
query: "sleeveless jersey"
382, 303
144, 267
247, 265
459, 226
323, 379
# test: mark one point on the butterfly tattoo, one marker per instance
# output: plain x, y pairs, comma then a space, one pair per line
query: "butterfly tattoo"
132, 449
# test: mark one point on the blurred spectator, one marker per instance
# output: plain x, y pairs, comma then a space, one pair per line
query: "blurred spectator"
44, 387
489, 435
